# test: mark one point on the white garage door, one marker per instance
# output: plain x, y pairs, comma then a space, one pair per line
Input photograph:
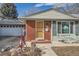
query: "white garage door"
11, 30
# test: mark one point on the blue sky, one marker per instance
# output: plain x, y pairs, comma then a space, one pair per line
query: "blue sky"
22, 8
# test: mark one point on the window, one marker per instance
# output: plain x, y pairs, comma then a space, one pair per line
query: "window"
59, 27
39, 29
65, 27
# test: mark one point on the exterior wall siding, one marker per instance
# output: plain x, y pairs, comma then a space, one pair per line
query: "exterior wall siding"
30, 30
77, 28
54, 28
54, 32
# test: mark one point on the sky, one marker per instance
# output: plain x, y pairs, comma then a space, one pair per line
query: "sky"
23, 8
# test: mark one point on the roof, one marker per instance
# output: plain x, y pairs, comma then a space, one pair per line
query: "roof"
5, 21
75, 15
49, 14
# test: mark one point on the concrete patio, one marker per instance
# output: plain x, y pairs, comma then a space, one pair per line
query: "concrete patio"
46, 48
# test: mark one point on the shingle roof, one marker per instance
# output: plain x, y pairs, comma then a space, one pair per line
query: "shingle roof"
50, 14
12, 21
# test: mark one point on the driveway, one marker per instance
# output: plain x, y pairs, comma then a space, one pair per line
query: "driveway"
8, 41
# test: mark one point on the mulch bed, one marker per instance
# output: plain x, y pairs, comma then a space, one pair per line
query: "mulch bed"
66, 50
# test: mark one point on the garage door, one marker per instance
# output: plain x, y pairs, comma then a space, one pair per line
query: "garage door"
11, 30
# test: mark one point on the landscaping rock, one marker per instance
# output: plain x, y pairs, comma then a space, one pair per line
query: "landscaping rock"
2, 50
13, 52
26, 51
6, 48
33, 45
28, 44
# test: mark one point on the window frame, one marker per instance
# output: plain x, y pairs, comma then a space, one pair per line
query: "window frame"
69, 28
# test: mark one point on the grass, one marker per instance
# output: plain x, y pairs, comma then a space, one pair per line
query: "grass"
66, 50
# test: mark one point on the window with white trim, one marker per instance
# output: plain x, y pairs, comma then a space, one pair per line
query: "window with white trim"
65, 27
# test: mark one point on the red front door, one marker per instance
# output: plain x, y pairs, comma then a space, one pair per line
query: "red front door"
47, 31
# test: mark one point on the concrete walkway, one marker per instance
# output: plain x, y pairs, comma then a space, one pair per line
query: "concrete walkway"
59, 44
46, 48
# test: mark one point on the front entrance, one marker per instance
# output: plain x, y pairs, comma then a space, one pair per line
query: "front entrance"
40, 31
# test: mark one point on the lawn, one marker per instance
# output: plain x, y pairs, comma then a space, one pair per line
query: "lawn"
66, 50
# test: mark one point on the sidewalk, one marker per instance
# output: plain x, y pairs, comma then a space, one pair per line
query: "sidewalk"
56, 44
47, 49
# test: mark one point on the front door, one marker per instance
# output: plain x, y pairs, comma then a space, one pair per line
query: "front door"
39, 25
47, 30
38, 30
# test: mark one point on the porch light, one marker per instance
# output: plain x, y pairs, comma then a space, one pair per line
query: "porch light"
46, 28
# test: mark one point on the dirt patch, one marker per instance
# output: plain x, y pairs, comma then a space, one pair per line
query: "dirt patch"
66, 51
